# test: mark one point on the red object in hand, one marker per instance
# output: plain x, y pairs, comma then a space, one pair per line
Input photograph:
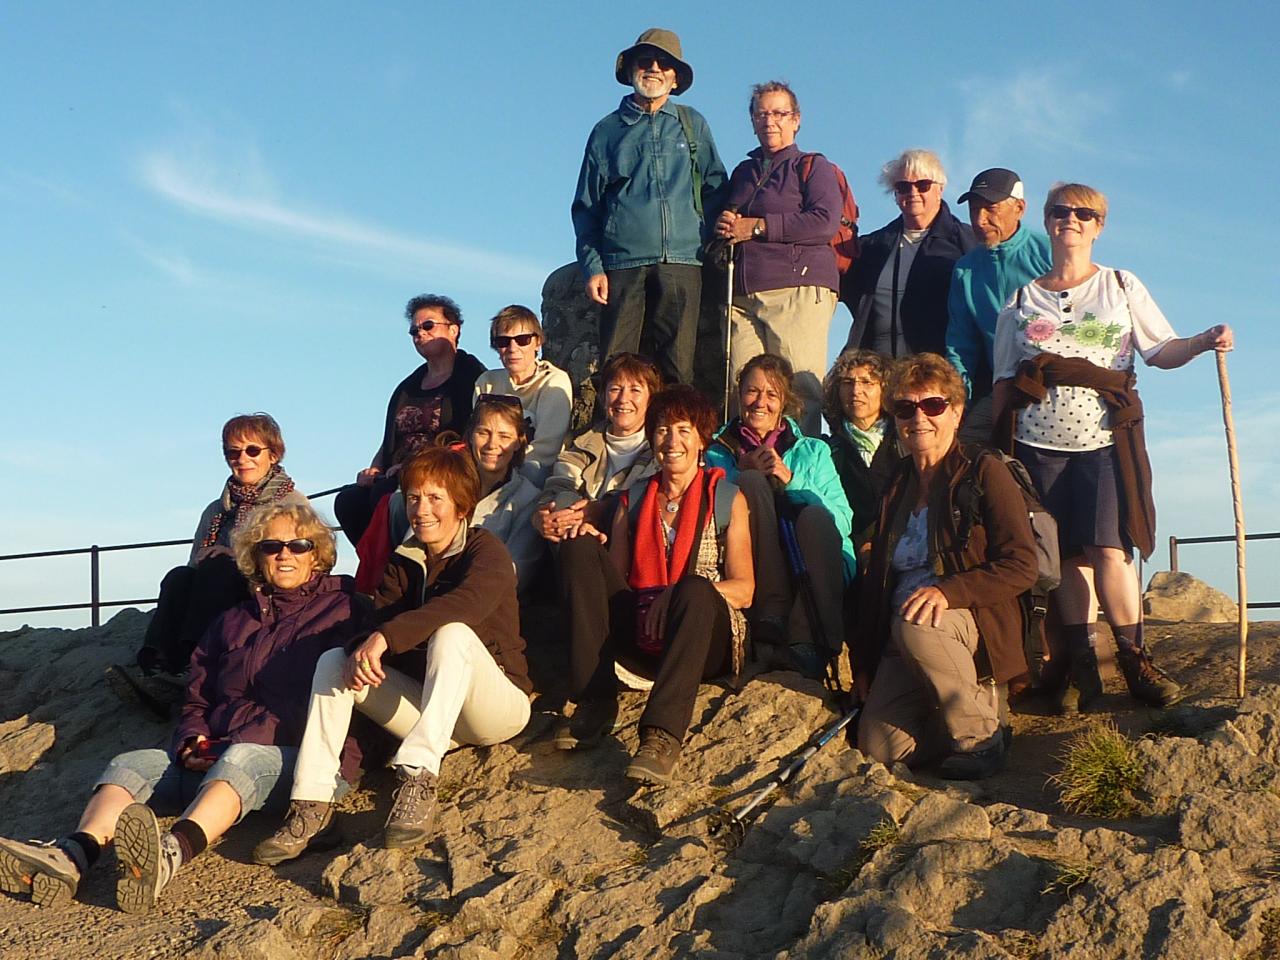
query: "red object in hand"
209, 749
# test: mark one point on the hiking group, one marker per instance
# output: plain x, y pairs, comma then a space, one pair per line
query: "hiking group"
684, 539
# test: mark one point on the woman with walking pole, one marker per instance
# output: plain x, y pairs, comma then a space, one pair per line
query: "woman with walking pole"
1067, 407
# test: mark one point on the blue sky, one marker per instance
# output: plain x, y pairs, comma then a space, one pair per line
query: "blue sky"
212, 209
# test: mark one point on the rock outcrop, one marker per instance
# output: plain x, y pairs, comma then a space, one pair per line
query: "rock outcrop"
1176, 597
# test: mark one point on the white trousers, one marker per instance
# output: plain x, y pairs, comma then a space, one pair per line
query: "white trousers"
792, 322
464, 698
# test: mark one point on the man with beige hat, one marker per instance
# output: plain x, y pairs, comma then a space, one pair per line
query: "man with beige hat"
651, 184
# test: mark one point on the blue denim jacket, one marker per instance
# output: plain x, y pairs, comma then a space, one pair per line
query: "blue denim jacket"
634, 202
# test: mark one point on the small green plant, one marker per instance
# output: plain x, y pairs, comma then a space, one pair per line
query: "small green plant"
445, 790
1100, 772
1020, 943
1071, 874
430, 919
883, 834
638, 857
338, 924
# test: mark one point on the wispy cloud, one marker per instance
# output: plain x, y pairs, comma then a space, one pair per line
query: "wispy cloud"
243, 195
174, 264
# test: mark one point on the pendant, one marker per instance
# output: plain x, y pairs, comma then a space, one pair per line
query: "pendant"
671, 507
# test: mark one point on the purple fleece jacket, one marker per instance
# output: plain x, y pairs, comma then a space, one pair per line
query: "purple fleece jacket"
251, 672
801, 216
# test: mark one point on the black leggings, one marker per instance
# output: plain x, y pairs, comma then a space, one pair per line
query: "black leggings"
190, 599
601, 611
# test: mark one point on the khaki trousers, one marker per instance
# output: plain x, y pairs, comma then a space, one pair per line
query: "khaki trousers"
926, 699
793, 323
464, 698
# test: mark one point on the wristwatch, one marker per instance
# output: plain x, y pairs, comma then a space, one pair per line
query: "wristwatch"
758, 230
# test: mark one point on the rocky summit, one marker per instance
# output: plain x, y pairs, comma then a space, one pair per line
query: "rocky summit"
542, 854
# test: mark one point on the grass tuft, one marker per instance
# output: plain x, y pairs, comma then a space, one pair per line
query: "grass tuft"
1071, 874
1100, 772
883, 834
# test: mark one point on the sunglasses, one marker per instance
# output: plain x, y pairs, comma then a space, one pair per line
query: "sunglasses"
233, 453
269, 548
427, 325
932, 407
903, 187
644, 59
1061, 211
500, 399
520, 339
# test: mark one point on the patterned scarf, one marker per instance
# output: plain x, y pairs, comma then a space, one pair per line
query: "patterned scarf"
238, 501
867, 441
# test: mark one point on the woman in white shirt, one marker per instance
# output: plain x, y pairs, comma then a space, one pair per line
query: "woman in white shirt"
1084, 311
544, 389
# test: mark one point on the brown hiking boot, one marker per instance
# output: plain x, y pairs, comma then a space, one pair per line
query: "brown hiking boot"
655, 760
591, 720
412, 810
309, 824
49, 872
1148, 683
147, 859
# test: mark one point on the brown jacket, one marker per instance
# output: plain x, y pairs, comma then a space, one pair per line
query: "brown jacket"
985, 576
1118, 391
473, 583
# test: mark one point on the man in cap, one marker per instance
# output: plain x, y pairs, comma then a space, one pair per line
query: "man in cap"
983, 281
651, 182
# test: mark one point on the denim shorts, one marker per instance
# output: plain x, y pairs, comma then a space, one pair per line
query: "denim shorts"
261, 776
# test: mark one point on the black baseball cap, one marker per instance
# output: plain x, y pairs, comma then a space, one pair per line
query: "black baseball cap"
993, 186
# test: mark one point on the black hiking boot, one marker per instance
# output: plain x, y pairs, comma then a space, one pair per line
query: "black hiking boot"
1147, 683
975, 764
591, 720
309, 825
413, 810
655, 759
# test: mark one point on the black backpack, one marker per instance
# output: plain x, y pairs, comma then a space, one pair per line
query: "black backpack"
1034, 602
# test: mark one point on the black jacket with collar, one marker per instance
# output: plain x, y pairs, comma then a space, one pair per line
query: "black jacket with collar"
923, 307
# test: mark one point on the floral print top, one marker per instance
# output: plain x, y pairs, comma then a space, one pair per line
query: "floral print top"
1098, 320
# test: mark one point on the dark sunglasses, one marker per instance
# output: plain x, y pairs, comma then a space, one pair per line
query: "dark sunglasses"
500, 399
644, 59
269, 548
502, 342
1060, 211
904, 186
233, 453
428, 325
932, 407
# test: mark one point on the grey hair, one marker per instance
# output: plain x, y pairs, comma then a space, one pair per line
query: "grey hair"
922, 164
773, 86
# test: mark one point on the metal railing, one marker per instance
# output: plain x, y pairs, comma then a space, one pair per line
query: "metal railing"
1173, 555
96, 603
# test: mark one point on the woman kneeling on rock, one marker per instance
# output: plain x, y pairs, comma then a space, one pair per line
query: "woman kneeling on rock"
235, 745
665, 600
455, 671
940, 621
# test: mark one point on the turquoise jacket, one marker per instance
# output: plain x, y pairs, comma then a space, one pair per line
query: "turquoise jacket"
813, 480
634, 202
981, 284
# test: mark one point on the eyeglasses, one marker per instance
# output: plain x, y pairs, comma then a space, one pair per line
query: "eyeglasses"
269, 548
520, 339
1061, 211
233, 453
427, 325
500, 399
903, 187
763, 116
932, 407
863, 382
642, 61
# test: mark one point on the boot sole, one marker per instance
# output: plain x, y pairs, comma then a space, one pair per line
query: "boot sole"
130, 691
400, 841
138, 851
570, 742
646, 774
21, 874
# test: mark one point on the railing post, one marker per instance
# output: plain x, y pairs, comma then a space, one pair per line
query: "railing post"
95, 619
1173, 554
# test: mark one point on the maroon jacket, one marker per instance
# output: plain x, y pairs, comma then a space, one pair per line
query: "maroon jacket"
251, 672
985, 576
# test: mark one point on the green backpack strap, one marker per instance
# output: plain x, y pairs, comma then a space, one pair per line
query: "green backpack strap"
686, 122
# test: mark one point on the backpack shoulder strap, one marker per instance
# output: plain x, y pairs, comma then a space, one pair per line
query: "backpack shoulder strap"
726, 490
686, 123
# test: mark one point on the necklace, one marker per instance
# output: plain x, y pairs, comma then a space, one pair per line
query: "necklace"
672, 505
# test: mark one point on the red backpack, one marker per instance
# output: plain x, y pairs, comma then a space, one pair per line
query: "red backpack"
845, 241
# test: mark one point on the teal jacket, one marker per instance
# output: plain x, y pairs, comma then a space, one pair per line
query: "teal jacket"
814, 480
634, 204
981, 284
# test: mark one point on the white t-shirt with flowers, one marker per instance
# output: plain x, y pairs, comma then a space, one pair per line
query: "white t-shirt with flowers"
1097, 320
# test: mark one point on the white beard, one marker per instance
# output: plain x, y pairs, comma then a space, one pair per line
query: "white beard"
650, 89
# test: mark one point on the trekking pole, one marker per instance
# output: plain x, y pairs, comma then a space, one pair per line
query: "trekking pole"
730, 828
728, 331
1237, 504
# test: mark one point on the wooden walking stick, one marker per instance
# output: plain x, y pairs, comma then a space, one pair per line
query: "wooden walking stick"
1237, 504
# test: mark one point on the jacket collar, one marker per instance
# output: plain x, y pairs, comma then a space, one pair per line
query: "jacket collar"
779, 158
413, 548
631, 112
944, 221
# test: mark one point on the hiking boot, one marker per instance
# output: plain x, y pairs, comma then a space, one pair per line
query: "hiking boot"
48, 872
155, 690
412, 809
591, 720
656, 757
148, 860
1079, 684
975, 764
1148, 683
810, 661
309, 824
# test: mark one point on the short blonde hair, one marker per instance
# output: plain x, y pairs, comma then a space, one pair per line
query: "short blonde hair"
779, 372
244, 542
514, 317
914, 163
1076, 195
928, 371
